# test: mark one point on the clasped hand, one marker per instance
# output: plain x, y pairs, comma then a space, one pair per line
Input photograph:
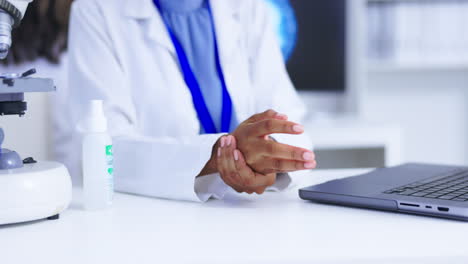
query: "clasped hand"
248, 159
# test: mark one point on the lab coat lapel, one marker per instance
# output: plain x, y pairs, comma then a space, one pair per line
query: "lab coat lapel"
228, 35
227, 28
150, 19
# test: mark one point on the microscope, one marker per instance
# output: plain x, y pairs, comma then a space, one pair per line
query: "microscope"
29, 189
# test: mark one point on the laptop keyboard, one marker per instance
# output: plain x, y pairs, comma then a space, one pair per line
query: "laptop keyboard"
453, 186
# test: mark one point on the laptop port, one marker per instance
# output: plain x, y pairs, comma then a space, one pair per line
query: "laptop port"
408, 204
443, 209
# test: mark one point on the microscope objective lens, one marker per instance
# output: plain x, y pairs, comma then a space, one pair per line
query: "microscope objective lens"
3, 50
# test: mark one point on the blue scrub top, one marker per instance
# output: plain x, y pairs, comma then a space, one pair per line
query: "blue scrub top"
191, 23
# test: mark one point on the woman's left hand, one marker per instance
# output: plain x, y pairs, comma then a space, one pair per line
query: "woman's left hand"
236, 173
268, 156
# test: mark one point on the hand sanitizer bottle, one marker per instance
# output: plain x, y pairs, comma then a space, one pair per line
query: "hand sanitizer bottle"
97, 159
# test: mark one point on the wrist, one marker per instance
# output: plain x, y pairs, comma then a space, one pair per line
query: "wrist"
211, 165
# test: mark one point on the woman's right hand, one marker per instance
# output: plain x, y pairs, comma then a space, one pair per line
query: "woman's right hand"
266, 156
236, 173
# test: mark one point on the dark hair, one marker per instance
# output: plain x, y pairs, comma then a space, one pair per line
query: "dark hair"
43, 32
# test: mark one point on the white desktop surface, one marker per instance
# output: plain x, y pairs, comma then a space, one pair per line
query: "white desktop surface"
272, 228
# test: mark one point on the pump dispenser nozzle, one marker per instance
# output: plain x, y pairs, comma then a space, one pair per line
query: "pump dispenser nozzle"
94, 121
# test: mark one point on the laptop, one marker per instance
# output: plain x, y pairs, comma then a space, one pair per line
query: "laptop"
423, 189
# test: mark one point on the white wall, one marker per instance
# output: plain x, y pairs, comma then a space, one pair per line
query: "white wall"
431, 108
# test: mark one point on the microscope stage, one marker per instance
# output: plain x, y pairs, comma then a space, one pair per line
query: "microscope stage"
27, 85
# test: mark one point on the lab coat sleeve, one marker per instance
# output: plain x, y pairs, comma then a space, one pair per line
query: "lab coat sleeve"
158, 167
269, 76
166, 167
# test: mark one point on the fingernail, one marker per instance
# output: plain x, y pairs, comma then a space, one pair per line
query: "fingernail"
307, 156
236, 155
309, 165
298, 128
228, 140
281, 116
219, 152
223, 140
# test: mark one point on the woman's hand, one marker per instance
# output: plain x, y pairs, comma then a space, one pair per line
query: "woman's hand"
236, 173
267, 156
263, 155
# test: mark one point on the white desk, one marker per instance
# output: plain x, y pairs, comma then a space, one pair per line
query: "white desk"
272, 228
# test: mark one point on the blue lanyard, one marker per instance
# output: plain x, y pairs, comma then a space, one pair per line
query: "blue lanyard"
197, 97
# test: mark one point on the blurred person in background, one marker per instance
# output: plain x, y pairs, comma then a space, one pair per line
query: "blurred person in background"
41, 42
186, 86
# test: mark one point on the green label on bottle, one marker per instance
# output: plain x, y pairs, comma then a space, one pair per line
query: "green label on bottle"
110, 169
109, 150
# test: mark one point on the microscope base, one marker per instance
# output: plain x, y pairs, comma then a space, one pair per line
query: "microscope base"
36, 191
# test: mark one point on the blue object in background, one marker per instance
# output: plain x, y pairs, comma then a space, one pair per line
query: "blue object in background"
285, 22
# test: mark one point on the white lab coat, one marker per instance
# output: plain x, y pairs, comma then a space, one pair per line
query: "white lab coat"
121, 52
